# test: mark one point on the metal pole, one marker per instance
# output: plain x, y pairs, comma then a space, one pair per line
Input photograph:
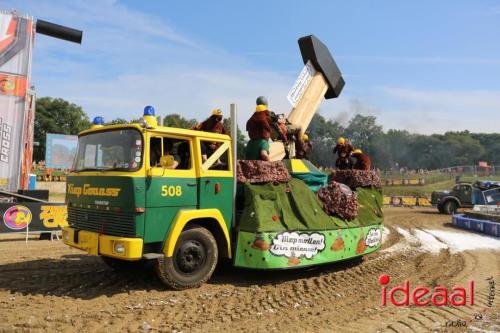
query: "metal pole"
234, 143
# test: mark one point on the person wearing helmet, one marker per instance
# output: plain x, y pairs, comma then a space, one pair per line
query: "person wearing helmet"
362, 160
259, 131
343, 149
305, 149
211, 124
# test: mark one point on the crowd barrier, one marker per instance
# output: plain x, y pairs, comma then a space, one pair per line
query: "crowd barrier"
406, 201
480, 225
399, 182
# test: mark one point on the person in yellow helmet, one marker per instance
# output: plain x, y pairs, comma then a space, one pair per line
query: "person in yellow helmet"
362, 160
305, 149
259, 131
343, 149
211, 124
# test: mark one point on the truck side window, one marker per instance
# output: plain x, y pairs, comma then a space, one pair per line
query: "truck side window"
219, 149
180, 149
177, 149
155, 152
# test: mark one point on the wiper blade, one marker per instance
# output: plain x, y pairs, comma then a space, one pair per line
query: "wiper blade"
118, 169
91, 169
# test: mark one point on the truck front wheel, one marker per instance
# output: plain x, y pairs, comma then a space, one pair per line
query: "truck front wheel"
193, 262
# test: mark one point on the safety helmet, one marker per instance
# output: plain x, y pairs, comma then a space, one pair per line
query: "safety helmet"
357, 151
341, 141
217, 112
305, 137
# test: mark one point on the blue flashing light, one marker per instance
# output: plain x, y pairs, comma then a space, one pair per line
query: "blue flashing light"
149, 110
98, 121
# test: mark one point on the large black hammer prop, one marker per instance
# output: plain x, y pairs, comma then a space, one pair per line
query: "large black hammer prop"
319, 78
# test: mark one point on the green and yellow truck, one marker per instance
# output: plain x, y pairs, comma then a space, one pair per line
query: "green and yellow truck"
127, 204
147, 192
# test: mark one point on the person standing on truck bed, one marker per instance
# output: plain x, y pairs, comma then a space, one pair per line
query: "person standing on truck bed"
305, 149
362, 160
259, 131
343, 150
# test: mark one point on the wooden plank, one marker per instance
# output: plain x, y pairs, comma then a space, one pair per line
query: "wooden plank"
276, 151
303, 113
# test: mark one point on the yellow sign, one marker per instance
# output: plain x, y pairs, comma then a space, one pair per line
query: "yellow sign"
54, 216
94, 191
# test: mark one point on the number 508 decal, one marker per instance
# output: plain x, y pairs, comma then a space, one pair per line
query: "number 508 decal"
171, 191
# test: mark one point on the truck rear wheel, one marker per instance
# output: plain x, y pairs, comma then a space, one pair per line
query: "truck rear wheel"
450, 207
193, 262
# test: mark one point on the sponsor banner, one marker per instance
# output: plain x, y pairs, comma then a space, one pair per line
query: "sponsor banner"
268, 250
60, 151
35, 216
16, 41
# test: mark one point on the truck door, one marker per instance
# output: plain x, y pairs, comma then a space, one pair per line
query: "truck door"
465, 194
170, 183
216, 177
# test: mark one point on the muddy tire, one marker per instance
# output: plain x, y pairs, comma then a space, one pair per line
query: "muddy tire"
193, 262
123, 265
450, 207
440, 209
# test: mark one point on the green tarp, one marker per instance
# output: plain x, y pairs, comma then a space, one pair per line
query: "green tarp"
294, 206
314, 178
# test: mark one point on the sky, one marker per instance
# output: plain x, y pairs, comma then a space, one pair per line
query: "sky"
423, 66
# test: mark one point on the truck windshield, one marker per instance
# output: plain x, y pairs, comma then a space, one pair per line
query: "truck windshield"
492, 196
110, 150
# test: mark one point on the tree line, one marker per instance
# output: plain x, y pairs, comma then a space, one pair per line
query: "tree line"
387, 149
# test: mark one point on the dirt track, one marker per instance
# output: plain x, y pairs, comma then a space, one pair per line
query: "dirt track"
46, 286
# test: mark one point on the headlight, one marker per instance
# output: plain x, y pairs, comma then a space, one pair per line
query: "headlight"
65, 236
119, 248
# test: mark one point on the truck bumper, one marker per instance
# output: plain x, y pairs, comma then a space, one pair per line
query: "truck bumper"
110, 246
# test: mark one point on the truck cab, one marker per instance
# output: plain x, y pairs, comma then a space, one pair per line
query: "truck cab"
142, 191
461, 195
466, 195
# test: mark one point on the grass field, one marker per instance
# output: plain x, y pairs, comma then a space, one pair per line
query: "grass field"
426, 190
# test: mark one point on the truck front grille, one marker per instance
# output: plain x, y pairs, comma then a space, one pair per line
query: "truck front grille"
105, 222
